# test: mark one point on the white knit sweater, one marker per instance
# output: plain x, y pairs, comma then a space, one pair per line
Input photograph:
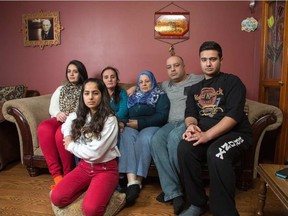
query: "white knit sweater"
95, 151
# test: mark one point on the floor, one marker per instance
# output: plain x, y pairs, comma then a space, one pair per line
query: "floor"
22, 195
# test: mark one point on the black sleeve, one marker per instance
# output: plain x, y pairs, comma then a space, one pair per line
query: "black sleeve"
191, 105
235, 98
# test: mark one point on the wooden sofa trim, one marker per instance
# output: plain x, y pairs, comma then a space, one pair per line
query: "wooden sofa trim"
246, 172
18, 111
10, 134
32, 162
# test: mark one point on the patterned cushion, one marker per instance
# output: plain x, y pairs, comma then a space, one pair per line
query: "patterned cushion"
116, 203
12, 92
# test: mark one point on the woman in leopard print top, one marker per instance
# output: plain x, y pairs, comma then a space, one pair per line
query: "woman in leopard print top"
63, 102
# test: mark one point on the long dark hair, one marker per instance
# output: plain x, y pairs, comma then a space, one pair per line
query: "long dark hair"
116, 93
96, 125
83, 75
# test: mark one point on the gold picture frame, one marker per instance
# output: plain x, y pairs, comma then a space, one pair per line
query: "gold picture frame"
41, 29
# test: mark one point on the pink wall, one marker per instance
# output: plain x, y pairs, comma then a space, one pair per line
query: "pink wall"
121, 34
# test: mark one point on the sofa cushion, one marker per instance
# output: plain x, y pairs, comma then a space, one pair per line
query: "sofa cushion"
127, 85
12, 92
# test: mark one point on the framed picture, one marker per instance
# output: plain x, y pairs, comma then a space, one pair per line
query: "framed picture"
171, 25
41, 29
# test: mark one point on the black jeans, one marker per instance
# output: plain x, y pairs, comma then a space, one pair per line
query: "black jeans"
220, 155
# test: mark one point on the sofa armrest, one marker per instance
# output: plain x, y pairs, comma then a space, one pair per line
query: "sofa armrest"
258, 110
27, 113
263, 117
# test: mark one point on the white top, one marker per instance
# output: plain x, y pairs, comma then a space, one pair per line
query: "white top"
54, 107
95, 151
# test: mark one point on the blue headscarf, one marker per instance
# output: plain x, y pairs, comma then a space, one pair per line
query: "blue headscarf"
149, 98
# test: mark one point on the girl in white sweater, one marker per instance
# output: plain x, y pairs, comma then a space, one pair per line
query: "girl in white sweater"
90, 134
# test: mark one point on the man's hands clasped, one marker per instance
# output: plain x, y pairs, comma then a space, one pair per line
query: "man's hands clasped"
194, 133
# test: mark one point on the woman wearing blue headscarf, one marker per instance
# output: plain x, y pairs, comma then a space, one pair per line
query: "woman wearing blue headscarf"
148, 110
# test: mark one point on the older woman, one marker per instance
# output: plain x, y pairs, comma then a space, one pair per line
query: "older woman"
148, 110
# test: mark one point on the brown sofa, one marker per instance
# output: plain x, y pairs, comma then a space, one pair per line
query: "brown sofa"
9, 140
29, 112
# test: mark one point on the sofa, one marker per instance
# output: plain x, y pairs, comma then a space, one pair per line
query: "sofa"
9, 140
27, 113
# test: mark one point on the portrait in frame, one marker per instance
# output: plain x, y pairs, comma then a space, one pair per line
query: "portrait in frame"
41, 29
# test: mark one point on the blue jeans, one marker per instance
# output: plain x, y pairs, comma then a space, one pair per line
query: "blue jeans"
135, 150
164, 152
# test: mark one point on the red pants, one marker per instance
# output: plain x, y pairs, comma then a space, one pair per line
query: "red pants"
59, 160
100, 181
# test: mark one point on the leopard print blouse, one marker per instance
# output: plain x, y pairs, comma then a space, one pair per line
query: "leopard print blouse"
69, 98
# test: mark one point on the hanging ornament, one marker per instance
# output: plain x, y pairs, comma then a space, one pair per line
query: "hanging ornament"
249, 24
172, 51
171, 26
